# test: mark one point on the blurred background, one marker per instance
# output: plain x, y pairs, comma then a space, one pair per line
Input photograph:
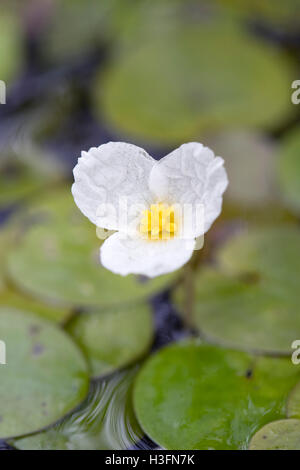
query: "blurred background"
156, 73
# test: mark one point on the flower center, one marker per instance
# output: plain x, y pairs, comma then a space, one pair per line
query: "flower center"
158, 223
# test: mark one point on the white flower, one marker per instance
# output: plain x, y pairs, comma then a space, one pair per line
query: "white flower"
119, 187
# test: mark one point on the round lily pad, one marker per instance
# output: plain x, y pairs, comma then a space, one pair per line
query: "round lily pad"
278, 435
12, 298
57, 260
112, 339
252, 315
271, 253
179, 85
197, 396
105, 421
288, 170
45, 375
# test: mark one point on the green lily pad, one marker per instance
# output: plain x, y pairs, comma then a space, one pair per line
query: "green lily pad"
278, 435
113, 339
249, 163
179, 85
11, 298
271, 253
57, 260
253, 316
197, 396
105, 421
10, 46
288, 170
45, 375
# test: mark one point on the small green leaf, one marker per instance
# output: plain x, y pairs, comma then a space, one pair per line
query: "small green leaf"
113, 339
196, 396
278, 435
104, 421
45, 375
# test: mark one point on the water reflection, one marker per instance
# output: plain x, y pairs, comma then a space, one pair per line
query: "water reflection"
105, 421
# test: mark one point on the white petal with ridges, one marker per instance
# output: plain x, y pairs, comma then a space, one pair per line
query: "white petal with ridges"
111, 184
191, 175
124, 255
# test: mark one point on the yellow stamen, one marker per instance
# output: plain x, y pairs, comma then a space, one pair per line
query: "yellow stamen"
158, 223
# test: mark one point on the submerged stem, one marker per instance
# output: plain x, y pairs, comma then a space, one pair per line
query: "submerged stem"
189, 290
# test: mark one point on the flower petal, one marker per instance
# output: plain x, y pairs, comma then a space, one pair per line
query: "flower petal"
125, 255
110, 181
191, 175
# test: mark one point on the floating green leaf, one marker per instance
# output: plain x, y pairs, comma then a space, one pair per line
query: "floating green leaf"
57, 260
278, 435
178, 85
45, 376
288, 170
247, 315
104, 421
113, 339
196, 396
